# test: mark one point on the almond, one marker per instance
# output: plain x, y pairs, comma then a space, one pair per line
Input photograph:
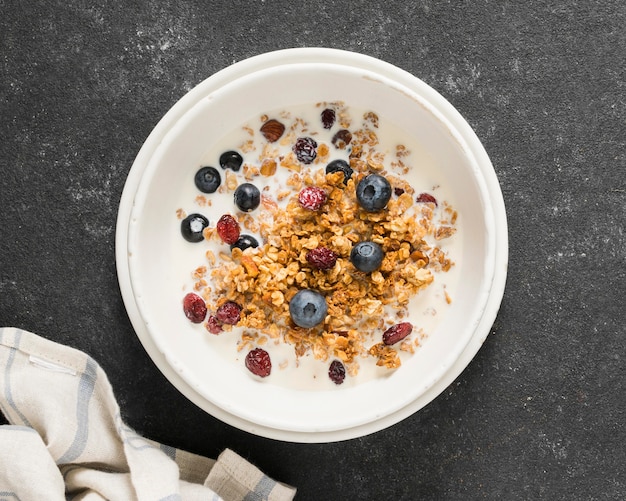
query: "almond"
272, 129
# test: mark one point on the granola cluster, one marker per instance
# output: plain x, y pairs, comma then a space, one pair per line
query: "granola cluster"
361, 305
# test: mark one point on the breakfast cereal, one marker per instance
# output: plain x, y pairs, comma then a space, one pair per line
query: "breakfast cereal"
293, 198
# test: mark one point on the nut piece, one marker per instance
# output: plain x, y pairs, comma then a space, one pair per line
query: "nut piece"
272, 130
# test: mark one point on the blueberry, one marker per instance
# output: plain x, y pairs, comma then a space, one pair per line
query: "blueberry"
231, 160
373, 192
308, 308
367, 256
247, 197
192, 227
245, 241
208, 179
340, 166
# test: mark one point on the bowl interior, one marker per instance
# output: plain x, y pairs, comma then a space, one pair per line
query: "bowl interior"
160, 261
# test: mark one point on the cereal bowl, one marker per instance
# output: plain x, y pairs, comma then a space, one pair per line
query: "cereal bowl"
401, 129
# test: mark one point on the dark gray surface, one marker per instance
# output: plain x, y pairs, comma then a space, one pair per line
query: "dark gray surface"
539, 413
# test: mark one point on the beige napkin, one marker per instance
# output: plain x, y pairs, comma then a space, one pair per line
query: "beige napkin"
67, 440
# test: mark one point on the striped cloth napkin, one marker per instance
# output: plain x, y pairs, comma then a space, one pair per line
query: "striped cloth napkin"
67, 440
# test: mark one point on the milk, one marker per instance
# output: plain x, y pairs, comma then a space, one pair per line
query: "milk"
426, 309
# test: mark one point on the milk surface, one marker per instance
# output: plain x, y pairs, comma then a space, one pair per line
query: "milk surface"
426, 309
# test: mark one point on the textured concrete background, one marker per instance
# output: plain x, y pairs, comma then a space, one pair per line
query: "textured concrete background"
539, 413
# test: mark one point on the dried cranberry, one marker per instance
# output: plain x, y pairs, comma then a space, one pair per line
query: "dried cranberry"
397, 333
258, 362
321, 258
305, 149
312, 197
194, 308
229, 313
337, 372
342, 139
426, 198
398, 191
328, 118
213, 325
228, 229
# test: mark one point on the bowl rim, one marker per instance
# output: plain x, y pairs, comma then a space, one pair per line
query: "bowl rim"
350, 406
239, 70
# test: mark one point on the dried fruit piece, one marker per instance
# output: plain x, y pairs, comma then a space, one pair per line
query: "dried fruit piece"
337, 372
213, 325
341, 139
229, 313
194, 308
321, 258
272, 130
312, 197
258, 362
228, 229
305, 149
426, 198
397, 333
328, 118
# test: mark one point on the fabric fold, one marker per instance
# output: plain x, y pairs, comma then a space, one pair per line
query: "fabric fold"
67, 439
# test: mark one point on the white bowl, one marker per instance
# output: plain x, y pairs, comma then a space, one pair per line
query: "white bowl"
154, 262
